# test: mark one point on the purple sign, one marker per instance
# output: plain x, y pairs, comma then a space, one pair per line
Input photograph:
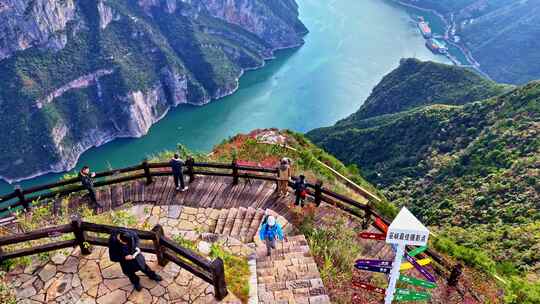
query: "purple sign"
373, 268
375, 263
422, 270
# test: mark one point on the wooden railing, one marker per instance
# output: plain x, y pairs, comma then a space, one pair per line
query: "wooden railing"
23, 198
165, 249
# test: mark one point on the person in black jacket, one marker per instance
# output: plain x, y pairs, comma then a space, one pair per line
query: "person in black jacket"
300, 188
87, 180
123, 248
176, 166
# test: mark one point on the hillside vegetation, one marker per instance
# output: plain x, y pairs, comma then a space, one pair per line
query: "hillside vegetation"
470, 171
418, 83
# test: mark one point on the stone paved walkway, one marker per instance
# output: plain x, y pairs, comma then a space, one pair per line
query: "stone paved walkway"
69, 277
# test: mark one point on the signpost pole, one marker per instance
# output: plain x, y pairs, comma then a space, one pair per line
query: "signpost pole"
394, 274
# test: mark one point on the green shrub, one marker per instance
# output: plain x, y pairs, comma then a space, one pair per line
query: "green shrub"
335, 247
237, 272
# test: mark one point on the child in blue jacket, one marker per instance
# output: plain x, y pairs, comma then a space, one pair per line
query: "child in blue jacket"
270, 231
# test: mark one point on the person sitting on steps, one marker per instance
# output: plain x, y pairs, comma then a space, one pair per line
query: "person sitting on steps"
124, 249
270, 231
87, 180
176, 166
300, 190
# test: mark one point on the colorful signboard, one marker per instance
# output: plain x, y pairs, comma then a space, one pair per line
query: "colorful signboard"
376, 263
404, 230
416, 282
417, 251
369, 287
408, 266
421, 269
372, 236
373, 268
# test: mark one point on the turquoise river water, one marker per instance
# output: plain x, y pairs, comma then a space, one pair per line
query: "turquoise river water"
352, 44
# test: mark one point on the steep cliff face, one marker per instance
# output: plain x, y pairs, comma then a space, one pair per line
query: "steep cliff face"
276, 22
24, 24
77, 74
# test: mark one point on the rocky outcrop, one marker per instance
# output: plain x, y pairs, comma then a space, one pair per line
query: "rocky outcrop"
106, 15
81, 82
276, 22
24, 24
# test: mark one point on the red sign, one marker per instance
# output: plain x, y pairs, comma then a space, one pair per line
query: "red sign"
382, 225
368, 287
372, 236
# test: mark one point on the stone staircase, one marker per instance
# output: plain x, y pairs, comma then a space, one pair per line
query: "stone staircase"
289, 274
239, 223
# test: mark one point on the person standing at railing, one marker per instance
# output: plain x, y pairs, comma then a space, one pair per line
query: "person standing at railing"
87, 180
270, 232
176, 167
124, 249
300, 190
284, 174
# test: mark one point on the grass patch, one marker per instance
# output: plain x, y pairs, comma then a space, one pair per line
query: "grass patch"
6, 294
236, 272
335, 249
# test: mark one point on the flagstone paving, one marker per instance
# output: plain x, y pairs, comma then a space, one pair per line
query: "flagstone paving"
69, 277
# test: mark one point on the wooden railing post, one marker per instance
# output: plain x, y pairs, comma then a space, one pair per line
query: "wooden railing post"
80, 235
158, 234
190, 172
235, 172
367, 217
318, 193
218, 274
147, 172
22, 199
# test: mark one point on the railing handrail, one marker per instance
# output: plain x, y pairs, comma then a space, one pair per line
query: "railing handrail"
166, 249
238, 171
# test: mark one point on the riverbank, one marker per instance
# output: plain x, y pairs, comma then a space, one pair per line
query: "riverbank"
448, 37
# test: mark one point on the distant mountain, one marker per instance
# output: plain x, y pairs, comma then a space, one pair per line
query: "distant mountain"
501, 34
417, 83
473, 169
76, 74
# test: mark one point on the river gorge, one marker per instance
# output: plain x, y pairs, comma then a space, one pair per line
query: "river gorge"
350, 47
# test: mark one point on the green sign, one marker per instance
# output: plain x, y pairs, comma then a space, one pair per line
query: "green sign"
417, 282
417, 251
409, 295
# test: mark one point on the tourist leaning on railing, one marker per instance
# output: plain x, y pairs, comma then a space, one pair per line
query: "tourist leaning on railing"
87, 180
176, 167
284, 175
300, 190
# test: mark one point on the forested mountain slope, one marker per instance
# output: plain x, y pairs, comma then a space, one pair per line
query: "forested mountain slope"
417, 83
471, 170
75, 74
